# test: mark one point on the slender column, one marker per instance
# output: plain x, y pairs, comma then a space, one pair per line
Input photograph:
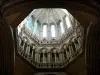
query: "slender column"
38, 58
32, 54
59, 31
76, 46
19, 40
65, 24
70, 51
27, 49
43, 58
80, 42
28, 52
55, 57
24, 41
49, 57
56, 31
60, 56
41, 32
66, 54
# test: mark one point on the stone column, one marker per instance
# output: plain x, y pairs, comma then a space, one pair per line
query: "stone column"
70, 51
80, 42
63, 58
49, 57
49, 31
59, 31
38, 57
27, 50
60, 54
23, 47
19, 40
67, 55
55, 57
43, 58
58, 58
65, 24
41, 32
76, 46
32, 54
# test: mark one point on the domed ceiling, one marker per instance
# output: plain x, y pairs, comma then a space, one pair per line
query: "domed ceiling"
48, 25
50, 36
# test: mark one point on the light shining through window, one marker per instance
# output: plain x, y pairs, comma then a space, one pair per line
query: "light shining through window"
44, 30
62, 27
68, 22
35, 28
29, 23
53, 30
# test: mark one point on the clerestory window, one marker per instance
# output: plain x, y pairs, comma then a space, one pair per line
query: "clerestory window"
53, 30
44, 30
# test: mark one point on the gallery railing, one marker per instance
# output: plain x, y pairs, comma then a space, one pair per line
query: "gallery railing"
51, 59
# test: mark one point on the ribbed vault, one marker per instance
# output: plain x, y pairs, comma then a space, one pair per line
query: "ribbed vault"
50, 38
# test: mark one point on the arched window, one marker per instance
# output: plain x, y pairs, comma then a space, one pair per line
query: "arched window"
29, 23
35, 29
53, 30
44, 30
62, 27
68, 22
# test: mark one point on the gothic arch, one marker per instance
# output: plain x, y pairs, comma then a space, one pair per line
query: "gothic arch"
52, 49
64, 46
42, 49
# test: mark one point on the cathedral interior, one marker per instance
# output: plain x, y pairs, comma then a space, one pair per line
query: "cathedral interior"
59, 37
